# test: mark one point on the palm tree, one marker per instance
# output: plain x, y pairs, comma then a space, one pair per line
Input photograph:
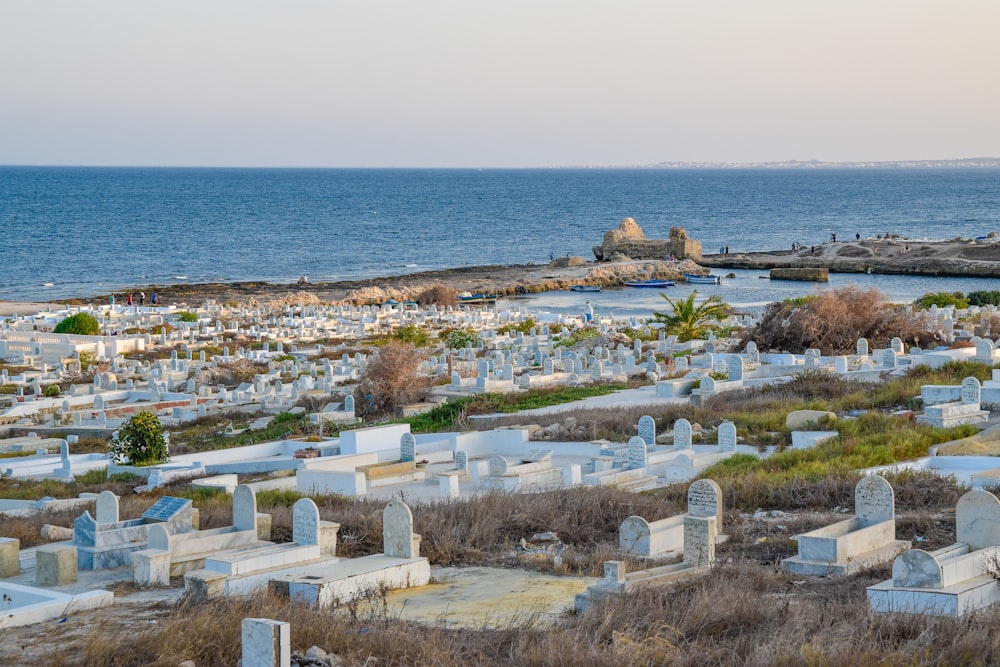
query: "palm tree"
690, 321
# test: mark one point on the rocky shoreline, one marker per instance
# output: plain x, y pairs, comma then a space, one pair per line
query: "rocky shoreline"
893, 255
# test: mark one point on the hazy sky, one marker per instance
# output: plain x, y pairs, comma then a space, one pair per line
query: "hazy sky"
511, 83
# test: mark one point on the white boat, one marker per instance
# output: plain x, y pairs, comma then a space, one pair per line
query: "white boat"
702, 280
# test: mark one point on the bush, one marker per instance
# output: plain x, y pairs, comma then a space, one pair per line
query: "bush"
81, 324
187, 316
942, 300
984, 298
139, 440
459, 339
578, 335
412, 334
835, 319
438, 295
390, 380
52, 391
524, 327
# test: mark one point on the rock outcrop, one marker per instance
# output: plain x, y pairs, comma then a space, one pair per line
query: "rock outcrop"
629, 241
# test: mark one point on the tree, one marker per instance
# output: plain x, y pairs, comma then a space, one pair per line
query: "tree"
140, 441
390, 380
689, 320
81, 324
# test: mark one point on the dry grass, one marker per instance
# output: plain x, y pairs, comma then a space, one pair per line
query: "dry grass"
739, 614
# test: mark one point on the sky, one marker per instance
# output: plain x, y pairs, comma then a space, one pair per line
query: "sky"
469, 83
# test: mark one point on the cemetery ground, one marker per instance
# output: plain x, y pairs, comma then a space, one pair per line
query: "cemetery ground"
746, 610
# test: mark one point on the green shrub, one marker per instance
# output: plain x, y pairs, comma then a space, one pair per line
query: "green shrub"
81, 324
52, 391
411, 334
577, 335
459, 339
523, 327
984, 298
139, 440
942, 299
187, 316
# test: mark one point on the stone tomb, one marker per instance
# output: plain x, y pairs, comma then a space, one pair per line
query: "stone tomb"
656, 539
514, 474
169, 555
699, 555
967, 410
246, 571
848, 546
952, 581
398, 566
108, 544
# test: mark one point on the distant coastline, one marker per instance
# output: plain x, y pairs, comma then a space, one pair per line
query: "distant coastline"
961, 163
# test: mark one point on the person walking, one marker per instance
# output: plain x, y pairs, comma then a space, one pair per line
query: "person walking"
130, 299
589, 313
142, 298
152, 298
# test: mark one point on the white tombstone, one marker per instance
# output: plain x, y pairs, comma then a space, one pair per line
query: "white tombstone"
874, 501
305, 522
734, 367
889, 358
647, 430
971, 391
637, 453
107, 508
704, 499
753, 354
244, 508
682, 434
407, 447
266, 643
727, 436
398, 538
896, 345
862, 347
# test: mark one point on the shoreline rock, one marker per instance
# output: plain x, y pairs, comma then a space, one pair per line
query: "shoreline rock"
897, 256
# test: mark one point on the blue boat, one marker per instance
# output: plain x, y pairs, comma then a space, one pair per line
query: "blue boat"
649, 283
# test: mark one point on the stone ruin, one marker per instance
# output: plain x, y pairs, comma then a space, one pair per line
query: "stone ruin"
629, 241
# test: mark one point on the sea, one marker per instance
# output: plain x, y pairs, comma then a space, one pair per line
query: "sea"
87, 231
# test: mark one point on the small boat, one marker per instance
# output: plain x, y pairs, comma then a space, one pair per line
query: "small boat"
585, 288
702, 280
478, 297
649, 283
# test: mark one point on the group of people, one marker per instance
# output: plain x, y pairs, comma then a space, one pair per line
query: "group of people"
130, 301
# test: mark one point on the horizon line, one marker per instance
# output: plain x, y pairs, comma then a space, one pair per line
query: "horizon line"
973, 162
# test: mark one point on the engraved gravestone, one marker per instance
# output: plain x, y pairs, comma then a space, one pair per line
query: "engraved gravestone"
597, 370
874, 501
647, 430
984, 349
970, 391
977, 520
812, 357
705, 499
636, 453
547, 366
734, 367
699, 541
862, 347
896, 345
753, 354
305, 522
889, 358
681, 364
462, 460
168, 509
719, 365
727, 436
397, 532
682, 434
349, 404
407, 447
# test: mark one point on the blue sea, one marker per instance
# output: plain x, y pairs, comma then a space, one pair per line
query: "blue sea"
79, 232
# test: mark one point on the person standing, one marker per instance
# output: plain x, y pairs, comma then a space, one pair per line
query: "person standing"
130, 299
142, 298
152, 298
111, 300
589, 313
